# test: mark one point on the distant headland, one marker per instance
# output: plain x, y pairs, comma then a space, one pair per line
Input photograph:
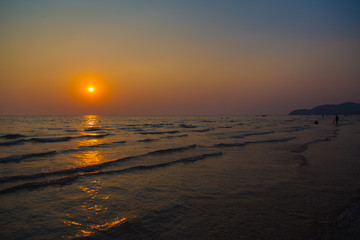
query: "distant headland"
347, 108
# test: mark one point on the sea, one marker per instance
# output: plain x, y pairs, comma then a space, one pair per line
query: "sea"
179, 177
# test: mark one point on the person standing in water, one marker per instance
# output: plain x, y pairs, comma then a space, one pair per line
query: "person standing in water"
336, 119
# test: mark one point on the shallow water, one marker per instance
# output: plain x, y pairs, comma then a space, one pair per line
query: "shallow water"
170, 177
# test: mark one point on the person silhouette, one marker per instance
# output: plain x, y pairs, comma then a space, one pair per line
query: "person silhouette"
336, 119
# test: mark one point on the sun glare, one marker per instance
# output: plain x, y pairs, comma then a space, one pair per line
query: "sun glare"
90, 88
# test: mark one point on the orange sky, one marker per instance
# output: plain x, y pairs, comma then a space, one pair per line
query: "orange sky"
176, 58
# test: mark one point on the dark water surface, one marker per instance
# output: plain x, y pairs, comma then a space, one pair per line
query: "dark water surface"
183, 177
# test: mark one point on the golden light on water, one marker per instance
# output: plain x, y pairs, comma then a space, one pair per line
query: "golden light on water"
95, 227
91, 120
89, 158
94, 207
95, 202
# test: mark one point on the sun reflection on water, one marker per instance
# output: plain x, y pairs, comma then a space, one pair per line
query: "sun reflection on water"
93, 212
89, 158
94, 156
90, 142
91, 120
96, 227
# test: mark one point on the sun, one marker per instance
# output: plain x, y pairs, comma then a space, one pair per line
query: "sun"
90, 88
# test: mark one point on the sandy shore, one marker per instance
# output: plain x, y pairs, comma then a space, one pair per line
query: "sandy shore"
334, 166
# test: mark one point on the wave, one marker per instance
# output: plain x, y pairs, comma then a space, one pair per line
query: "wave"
201, 130
36, 185
160, 165
53, 128
71, 130
120, 141
132, 125
10, 143
159, 125
253, 134
84, 148
230, 144
18, 158
13, 136
136, 129
296, 129
183, 125
183, 135
49, 140
56, 139
274, 140
95, 135
65, 180
157, 133
302, 147
91, 129
239, 144
148, 140
170, 150
299, 148
90, 168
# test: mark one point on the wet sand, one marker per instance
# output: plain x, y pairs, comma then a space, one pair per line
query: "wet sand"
334, 167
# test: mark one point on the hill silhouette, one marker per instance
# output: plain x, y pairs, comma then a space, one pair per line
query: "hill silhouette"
347, 108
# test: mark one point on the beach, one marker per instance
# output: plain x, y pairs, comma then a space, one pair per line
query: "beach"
179, 177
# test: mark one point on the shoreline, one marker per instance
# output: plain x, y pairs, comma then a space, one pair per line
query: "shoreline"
334, 166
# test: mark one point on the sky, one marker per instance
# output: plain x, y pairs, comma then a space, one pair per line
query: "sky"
176, 57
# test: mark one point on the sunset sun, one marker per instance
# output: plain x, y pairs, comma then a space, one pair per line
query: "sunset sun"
90, 88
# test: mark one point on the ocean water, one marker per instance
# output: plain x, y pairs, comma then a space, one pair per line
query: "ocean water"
178, 177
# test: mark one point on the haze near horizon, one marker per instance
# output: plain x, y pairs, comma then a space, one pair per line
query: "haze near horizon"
171, 57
